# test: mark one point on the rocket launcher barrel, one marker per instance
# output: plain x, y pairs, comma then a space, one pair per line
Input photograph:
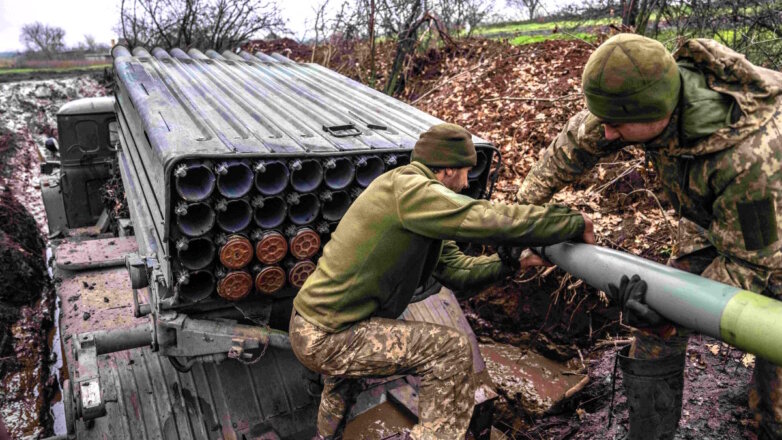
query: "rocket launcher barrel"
195, 253
739, 317
303, 208
271, 177
368, 168
233, 215
234, 179
269, 212
335, 204
194, 181
339, 172
306, 174
195, 286
195, 218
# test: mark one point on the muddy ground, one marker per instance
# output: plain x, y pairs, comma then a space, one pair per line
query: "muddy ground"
519, 98
27, 118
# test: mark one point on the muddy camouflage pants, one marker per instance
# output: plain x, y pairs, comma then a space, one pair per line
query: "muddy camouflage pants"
378, 347
765, 394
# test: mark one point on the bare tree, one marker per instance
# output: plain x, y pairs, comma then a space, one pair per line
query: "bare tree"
458, 14
214, 24
39, 37
531, 6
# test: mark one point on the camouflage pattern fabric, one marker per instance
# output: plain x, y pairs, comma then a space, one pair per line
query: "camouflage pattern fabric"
726, 186
440, 356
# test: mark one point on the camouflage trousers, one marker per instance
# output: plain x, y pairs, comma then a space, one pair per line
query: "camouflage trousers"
440, 356
765, 394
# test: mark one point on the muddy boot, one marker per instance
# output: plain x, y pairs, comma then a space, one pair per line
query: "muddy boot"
654, 394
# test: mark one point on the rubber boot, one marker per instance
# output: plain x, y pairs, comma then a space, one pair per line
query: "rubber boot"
654, 394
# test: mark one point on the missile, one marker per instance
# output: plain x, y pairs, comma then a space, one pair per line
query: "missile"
744, 319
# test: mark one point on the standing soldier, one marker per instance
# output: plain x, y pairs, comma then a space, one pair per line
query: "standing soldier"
394, 236
710, 122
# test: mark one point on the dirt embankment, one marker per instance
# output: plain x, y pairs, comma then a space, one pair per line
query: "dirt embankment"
27, 115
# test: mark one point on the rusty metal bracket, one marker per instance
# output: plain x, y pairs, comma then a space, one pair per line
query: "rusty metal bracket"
89, 398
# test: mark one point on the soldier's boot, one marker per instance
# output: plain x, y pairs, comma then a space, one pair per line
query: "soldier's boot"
653, 388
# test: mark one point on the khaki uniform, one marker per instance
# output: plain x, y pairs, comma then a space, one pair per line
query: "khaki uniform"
720, 163
395, 236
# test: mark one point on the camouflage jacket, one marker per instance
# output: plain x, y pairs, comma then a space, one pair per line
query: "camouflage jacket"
400, 231
720, 162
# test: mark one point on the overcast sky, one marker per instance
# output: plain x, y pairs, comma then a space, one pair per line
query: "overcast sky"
97, 18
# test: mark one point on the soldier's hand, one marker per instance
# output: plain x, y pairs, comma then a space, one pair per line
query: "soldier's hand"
589, 230
630, 297
530, 258
518, 259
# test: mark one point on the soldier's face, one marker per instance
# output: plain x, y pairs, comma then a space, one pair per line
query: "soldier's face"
454, 179
634, 131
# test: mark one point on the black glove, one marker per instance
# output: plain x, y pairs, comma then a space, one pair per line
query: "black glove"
630, 297
510, 256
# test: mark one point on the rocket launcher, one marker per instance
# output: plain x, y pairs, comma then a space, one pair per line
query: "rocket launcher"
744, 319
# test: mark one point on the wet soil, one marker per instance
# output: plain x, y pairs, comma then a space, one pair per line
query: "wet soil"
27, 303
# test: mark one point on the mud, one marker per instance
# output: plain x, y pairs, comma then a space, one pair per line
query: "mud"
27, 304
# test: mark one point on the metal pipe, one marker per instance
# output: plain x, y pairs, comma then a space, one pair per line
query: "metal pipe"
194, 181
234, 285
744, 319
194, 219
236, 251
299, 271
339, 172
195, 253
368, 168
195, 286
269, 212
234, 178
271, 247
197, 54
179, 54
302, 208
233, 215
480, 165
306, 174
269, 279
304, 243
110, 341
120, 51
335, 204
271, 177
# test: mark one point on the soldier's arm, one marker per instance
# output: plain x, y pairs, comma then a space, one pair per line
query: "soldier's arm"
574, 151
428, 208
746, 229
458, 271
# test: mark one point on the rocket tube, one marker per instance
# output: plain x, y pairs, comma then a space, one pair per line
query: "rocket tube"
306, 174
744, 319
194, 181
339, 172
234, 179
368, 168
271, 177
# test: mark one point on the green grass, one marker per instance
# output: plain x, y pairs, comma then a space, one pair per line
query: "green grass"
530, 39
55, 69
521, 27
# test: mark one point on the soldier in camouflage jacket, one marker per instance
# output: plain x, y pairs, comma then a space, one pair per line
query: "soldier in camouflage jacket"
713, 126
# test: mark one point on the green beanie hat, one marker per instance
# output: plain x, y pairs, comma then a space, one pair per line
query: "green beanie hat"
445, 145
631, 78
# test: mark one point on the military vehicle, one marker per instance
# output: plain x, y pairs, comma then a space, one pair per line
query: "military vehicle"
236, 167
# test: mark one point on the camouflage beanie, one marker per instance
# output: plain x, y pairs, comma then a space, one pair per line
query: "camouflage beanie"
445, 145
631, 78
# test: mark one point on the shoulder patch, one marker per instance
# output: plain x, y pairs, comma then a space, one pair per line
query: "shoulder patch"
758, 221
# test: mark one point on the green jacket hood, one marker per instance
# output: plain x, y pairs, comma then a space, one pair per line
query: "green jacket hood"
757, 93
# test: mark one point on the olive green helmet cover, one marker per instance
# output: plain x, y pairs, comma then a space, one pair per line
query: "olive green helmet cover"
445, 145
631, 78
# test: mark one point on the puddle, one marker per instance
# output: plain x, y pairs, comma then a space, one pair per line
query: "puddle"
57, 368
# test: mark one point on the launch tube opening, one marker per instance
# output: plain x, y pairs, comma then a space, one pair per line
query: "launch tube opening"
271, 177
270, 212
271, 248
337, 206
339, 173
306, 175
236, 215
305, 211
480, 165
270, 279
197, 253
368, 168
195, 219
197, 286
234, 179
194, 182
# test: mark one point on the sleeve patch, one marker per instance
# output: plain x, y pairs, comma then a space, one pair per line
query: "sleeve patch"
758, 223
